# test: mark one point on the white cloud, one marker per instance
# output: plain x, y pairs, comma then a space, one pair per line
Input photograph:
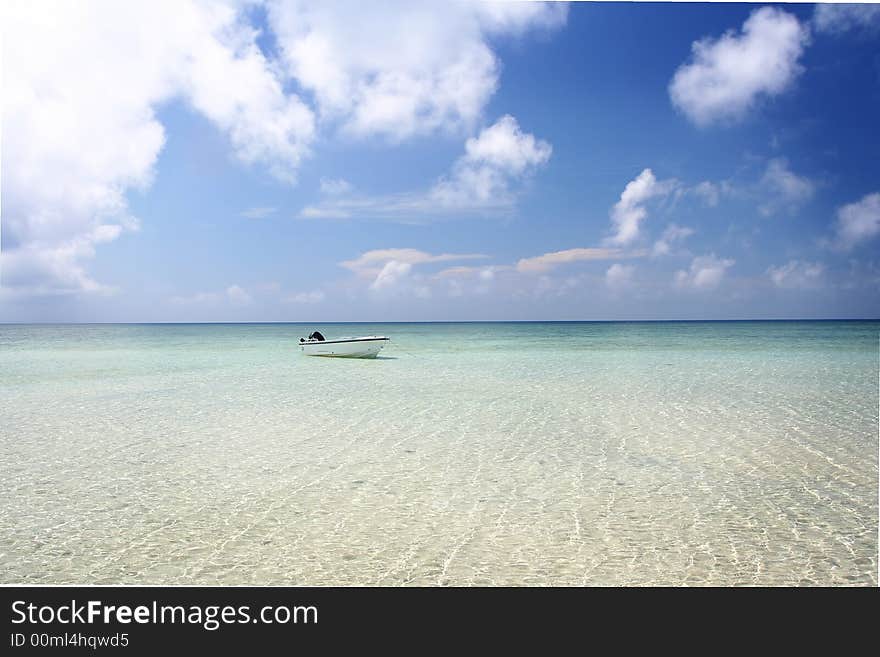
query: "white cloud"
505, 147
705, 272
237, 294
314, 296
481, 180
673, 233
628, 213
839, 18
335, 187
547, 261
858, 222
482, 177
370, 263
796, 274
786, 189
81, 84
34, 270
258, 213
393, 270
727, 76
400, 69
391, 274
619, 276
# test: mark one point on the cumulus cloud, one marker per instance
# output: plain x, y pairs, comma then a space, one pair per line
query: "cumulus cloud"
505, 147
484, 179
784, 188
857, 222
548, 261
82, 82
498, 155
796, 274
673, 234
629, 212
726, 77
399, 69
619, 276
839, 18
706, 272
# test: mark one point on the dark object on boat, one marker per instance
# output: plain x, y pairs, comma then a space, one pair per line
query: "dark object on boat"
316, 336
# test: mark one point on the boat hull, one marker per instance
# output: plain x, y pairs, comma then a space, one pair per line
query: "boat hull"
353, 348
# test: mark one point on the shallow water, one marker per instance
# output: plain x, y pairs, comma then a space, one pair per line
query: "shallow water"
538, 453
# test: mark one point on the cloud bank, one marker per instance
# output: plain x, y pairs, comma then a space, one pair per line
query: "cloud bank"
400, 69
82, 84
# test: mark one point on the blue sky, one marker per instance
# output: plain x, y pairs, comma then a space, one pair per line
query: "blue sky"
336, 162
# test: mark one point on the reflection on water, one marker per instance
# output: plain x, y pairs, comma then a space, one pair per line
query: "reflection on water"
718, 453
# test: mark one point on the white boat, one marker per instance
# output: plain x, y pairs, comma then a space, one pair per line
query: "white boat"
364, 347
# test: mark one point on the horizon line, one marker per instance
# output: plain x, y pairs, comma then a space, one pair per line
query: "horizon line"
451, 321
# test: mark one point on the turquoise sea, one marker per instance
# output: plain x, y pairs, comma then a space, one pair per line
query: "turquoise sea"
475, 453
